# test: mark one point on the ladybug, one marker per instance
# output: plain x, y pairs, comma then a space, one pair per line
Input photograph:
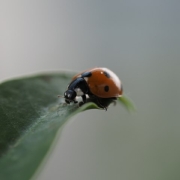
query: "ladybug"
100, 84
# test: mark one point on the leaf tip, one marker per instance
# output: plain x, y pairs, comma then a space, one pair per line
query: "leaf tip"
127, 103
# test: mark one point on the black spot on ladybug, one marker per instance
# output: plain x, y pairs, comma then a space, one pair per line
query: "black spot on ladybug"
107, 74
86, 74
106, 88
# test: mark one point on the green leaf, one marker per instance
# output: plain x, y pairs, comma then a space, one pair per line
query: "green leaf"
31, 115
127, 103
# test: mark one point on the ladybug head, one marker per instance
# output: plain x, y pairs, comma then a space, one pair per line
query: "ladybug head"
70, 95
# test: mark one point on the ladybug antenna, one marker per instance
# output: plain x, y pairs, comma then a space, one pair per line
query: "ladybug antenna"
61, 96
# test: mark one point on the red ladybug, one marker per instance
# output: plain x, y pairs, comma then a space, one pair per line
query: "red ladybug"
100, 84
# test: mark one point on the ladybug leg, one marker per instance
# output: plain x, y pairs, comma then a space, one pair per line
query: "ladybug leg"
68, 102
80, 103
83, 100
101, 105
105, 108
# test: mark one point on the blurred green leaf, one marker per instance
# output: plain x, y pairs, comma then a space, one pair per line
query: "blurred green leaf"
31, 114
127, 103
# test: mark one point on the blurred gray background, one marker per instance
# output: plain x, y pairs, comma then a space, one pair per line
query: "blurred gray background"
140, 41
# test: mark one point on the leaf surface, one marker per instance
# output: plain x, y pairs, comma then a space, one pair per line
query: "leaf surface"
31, 114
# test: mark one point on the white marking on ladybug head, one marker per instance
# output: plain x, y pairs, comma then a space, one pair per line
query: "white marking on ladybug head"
101, 72
79, 92
86, 78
